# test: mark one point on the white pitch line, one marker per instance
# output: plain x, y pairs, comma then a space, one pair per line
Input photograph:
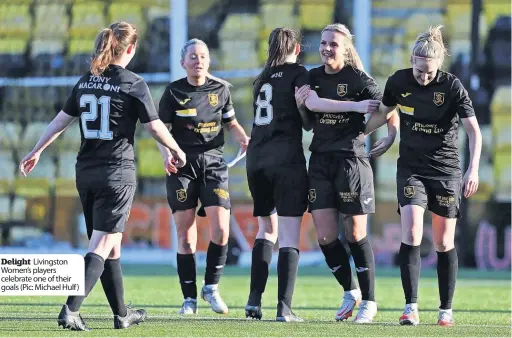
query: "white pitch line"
53, 315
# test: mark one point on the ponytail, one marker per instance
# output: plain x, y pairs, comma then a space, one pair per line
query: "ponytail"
110, 43
103, 52
281, 43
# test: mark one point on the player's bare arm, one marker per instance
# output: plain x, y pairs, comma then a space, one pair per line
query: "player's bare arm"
472, 129
321, 105
54, 129
160, 132
239, 133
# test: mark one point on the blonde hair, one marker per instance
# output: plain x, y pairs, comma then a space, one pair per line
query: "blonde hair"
351, 56
430, 45
110, 43
192, 42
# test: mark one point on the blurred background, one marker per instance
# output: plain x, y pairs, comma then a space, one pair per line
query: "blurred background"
45, 45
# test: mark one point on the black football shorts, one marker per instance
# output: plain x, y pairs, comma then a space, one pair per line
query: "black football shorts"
343, 183
442, 197
107, 208
204, 177
283, 188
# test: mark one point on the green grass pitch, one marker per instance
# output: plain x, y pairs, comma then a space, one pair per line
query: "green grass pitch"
482, 307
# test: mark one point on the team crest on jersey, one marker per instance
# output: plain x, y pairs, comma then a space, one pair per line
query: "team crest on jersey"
438, 98
181, 195
221, 193
409, 191
342, 89
312, 195
213, 99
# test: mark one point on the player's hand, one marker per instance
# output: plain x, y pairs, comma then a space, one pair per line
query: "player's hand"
368, 106
29, 162
470, 182
381, 146
301, 94
169, 165
178, 159
244, 142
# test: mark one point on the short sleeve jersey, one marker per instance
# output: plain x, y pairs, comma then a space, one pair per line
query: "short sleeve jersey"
109, 107
428, 123
342, 132
276, 136
196, 114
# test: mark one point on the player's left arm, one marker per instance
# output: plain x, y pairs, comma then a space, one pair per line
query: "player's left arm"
64, 118
383, 115
470, 124
230, 122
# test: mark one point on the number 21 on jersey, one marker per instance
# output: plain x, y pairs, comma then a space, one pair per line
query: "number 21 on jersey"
264, 104
104, 132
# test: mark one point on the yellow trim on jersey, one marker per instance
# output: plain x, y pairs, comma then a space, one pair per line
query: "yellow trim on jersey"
406, 110
186, 112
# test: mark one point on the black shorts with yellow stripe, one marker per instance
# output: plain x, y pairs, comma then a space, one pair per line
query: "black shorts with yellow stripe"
204, 178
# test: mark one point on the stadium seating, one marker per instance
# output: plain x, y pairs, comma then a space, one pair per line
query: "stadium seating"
7, 170
5, 208
65, 185
87, 19
51, 21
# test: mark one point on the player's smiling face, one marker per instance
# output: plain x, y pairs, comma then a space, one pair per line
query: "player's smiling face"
332, 49
424, 70
197, 60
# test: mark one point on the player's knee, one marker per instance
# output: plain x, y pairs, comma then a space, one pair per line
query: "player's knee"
444, 245
412, 237
220, 235
186, 247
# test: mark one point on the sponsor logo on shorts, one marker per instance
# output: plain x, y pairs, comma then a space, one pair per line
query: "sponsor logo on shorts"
181, 195
312, 195
438, 98
445, 201
367, 200
221, 193
349, 197
409, 191
213, 99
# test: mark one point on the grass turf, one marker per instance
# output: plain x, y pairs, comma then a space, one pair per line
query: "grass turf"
482, 307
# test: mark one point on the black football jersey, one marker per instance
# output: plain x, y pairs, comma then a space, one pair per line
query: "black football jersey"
428, 122
276, 136
342, 132
109, 107
197, 114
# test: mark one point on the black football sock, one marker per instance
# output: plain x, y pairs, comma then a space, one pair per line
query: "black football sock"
186, 265
365, 267
337, 260
112, 282
94, 265
410, 265
215, 260
287, 265
261, 258
447, 266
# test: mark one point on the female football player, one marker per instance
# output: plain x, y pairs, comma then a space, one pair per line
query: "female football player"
198, 107
276, 171
430, 102
108, 100
340, 175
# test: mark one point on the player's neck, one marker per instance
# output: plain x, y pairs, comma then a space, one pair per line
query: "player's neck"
196, 81
333, 70
291, 59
